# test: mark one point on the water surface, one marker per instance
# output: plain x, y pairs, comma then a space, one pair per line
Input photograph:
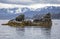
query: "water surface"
7, 32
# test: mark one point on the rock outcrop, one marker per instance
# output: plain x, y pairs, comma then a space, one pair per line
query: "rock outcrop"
45, 21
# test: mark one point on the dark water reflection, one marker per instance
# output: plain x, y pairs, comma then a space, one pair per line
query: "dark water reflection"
46, 33
20, 31
34, 33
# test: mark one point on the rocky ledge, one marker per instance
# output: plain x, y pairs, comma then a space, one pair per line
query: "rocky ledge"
45, 21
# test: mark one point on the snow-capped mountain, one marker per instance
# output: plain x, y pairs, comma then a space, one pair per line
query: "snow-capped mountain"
9, 13
51, 9
30, 12
14, 10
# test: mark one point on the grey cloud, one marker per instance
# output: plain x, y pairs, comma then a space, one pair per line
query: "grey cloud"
27, 2
48, 1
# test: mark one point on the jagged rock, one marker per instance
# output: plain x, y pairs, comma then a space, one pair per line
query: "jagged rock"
45, 18
43, 22
20, 17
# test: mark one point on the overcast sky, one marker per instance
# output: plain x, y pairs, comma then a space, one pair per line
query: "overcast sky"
28, 2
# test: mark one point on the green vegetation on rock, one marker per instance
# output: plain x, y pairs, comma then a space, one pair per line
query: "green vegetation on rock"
21, 22
20, 17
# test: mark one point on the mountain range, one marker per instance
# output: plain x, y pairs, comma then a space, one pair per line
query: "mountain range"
10, 13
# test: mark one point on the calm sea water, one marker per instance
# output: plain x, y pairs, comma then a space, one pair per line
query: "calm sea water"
7, 32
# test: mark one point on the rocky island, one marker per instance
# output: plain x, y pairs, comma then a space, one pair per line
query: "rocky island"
20, 21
